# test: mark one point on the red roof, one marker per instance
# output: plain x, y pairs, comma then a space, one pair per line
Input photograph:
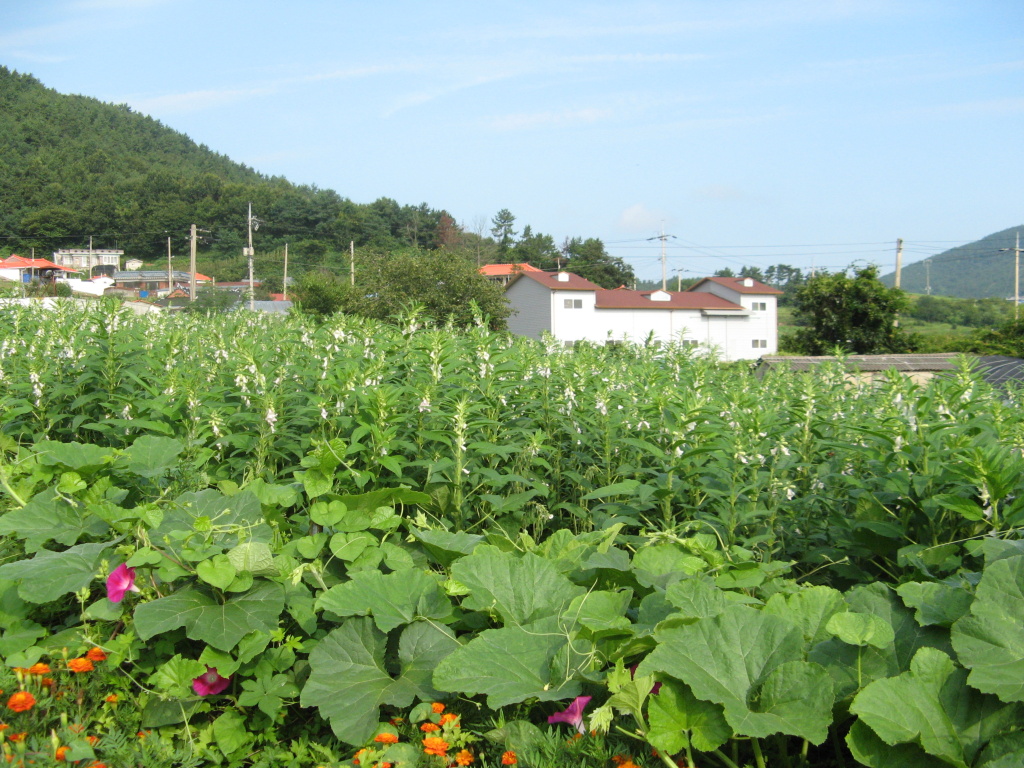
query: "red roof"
500, 270
623, 299
738, 284
20, 262
570, 283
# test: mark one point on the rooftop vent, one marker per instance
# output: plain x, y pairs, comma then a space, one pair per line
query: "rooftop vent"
562, 277
748, 282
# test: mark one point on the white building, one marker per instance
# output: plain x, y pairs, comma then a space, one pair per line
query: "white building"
736, 317
99, 261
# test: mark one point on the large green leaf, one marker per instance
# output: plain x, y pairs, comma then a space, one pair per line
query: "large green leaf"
732, 659
227, 519
48, 516
936, 603
990, 641
349, 679
811, 608
151, 456
932, 706
393, 599
519, 589
205, 618
677, 717
509, 665
80, 457
696, 598
49, 575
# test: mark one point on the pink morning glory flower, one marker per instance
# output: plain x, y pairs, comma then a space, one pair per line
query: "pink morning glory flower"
120, 580
573, 714
210, 682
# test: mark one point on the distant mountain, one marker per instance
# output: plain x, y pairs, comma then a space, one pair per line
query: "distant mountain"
74, 168
979, 270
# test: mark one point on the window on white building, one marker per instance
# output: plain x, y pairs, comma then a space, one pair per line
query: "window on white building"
759, 343
574, 303
759, 306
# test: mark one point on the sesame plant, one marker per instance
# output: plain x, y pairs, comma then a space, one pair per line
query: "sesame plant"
397, 545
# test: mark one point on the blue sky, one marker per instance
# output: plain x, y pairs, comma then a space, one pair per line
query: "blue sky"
755, 131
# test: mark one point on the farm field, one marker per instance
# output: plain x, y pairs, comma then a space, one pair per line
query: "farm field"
257, 541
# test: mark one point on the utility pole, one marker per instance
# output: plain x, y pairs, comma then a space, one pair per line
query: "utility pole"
899, 262
192, 263
253, 223
664, 264
928, 276
1016, 276
284, 280
352, 261
170, 272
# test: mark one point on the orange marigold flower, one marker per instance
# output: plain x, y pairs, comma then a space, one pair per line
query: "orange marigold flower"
111, 699
143, 734
4, 726
434, 745
76, 728
386, 738
383, 765
450, 717
92, 740
22, 701
96, 654
17, 736
39, 669
437, 707
46, 682
355, 757
509, 758
98, 765
80, 665
465, 757
430, 727
61, 753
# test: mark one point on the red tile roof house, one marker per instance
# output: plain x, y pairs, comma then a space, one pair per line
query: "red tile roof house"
736, 317
503, 273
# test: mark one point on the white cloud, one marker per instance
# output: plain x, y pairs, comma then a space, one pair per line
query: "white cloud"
640, 218
529, 120
178, 103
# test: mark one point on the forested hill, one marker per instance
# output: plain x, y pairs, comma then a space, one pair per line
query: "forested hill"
72, 166
978, 270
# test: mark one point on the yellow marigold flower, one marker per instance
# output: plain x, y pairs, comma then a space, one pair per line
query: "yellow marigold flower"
430, 727
509, 758
386, 738
464, 757
437, 707
39, 669
80, 665
22, 701
96, 654
434, 745
450, 717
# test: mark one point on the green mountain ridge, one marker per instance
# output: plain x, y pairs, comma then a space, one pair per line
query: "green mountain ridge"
72, 167
978, 270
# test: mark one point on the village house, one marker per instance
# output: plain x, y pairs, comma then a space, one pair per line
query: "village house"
503, 273
735, 317
101, 261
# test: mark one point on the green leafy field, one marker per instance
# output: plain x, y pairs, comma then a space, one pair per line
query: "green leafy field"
277, 543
